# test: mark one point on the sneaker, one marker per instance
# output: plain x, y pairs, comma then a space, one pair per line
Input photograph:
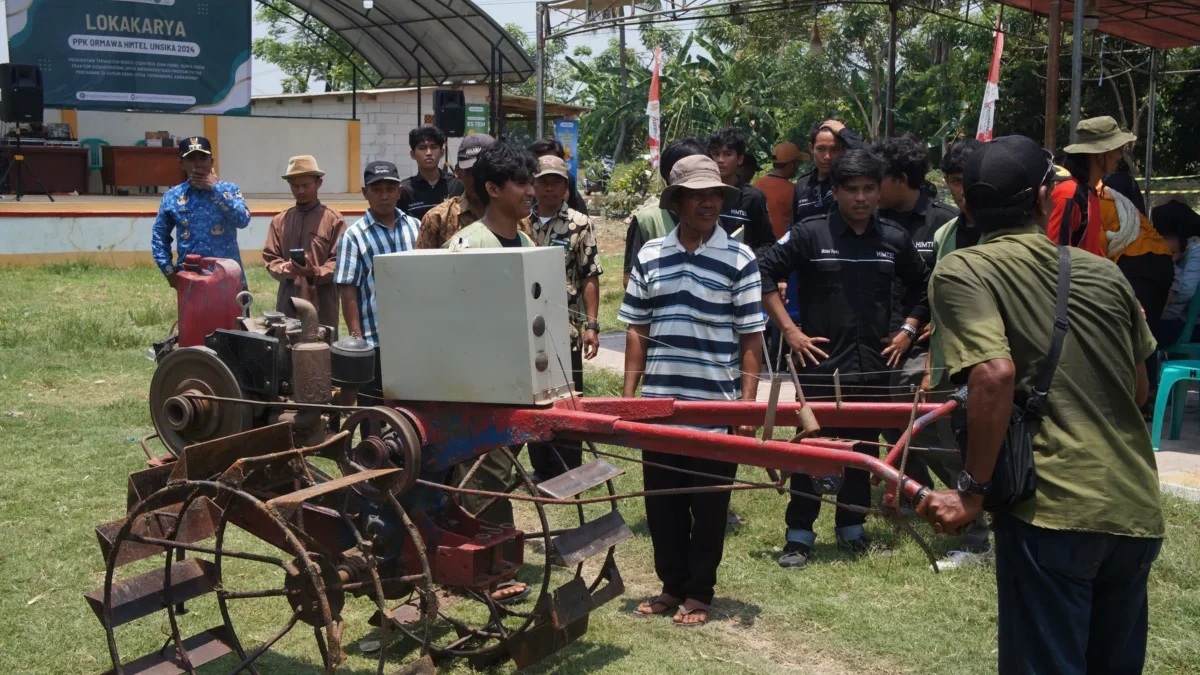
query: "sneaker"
857, 545
959, 559
795, 556
734, 521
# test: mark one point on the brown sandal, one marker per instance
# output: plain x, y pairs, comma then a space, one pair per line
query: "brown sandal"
647, 608
683, 613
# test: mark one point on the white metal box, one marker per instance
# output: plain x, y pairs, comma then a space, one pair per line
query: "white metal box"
476, 326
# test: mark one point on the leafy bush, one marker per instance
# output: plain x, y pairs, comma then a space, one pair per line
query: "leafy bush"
627, 188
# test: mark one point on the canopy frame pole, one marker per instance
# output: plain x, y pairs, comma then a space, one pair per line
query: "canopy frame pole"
540, 11
420, 113
353, 93
1076, 68
1152, 96
1054, 40
499, 93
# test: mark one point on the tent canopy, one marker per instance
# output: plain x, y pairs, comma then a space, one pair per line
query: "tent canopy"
452, 41
1161, 24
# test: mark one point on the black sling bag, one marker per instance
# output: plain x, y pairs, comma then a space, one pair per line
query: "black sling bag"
1014, 480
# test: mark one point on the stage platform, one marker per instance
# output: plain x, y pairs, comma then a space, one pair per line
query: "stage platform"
116, 229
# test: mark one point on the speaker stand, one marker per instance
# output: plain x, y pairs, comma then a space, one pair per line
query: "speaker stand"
18, 162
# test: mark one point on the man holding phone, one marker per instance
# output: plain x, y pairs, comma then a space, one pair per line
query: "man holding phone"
204, 212
300, 252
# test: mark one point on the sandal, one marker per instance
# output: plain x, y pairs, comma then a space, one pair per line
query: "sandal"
684, 613
666, 602
509, 599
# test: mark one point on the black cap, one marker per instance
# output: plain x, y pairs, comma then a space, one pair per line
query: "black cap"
470, 147
194, 144
377, 171
1005, 173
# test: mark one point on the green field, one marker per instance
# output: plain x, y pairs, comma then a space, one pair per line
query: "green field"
74, 375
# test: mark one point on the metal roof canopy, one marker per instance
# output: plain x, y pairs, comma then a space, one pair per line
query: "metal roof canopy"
405, 41
1160, 24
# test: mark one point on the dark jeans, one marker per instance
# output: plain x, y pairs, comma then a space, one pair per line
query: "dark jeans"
1150, 275
856, 488
687, 531
1071, 603
554, 459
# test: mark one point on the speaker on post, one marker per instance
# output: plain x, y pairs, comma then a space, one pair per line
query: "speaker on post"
20, 93
450, 112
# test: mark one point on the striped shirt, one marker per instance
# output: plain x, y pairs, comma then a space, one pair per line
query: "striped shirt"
356, 261
698, 305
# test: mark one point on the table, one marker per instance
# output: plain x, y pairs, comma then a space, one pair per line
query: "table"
61, 169
135, 165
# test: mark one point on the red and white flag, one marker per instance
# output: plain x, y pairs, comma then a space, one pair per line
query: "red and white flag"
991, 93
652, 112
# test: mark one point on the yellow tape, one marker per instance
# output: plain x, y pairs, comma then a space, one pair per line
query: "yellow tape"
1175, 192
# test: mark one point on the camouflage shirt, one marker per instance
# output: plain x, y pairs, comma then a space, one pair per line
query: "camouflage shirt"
445, 220
574, 232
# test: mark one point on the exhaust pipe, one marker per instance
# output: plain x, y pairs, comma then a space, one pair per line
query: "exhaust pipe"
311, 377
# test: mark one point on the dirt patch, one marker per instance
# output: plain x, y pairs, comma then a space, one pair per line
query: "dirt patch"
610, 234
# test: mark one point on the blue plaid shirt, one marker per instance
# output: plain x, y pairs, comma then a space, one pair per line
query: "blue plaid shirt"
357, 249
206, 222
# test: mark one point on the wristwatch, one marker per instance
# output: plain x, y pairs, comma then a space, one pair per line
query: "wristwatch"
592, 326
967, 484
909, 330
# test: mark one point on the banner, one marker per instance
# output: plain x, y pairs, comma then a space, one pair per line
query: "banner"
477, 118
163, 55
652, 111
991, 92
567, 133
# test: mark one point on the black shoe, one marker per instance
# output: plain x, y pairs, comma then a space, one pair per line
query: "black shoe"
857, 546
795, 556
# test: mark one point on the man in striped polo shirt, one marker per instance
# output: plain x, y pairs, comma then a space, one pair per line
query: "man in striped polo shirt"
383, 229
694, 311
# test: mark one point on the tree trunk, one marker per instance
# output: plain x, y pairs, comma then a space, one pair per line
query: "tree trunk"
624, 90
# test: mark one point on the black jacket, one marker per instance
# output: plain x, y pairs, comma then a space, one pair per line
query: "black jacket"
750, 215
845, 282
814, 196
921, 224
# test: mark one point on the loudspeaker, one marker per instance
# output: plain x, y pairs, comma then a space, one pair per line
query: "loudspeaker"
20, 93
450, 112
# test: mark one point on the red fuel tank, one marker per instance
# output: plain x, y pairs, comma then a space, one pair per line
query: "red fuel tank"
207, 290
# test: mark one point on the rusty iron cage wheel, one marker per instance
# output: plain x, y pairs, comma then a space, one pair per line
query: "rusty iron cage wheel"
301, 573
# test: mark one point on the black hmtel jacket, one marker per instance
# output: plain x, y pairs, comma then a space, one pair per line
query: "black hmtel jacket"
845, 283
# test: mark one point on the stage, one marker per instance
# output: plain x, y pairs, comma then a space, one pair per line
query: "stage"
116, 230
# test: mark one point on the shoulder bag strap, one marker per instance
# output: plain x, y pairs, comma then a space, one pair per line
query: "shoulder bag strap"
1045, 375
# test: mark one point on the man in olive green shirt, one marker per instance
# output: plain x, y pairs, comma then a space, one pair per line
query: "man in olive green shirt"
1072, 561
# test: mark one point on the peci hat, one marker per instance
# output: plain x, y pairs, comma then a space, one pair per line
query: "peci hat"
697, 172
1006, 173
470, 147
1097, 135
302, 165
377, 171
552, 165
788, 152
194, 144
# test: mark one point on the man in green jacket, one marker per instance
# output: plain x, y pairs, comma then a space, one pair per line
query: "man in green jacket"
651, 221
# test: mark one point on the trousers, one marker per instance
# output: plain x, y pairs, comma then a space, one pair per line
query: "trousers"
687, 531
1071, 603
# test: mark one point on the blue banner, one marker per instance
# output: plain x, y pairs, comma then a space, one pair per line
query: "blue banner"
567, 133
164, 55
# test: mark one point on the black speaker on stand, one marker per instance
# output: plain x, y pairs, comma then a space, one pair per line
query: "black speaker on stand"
21, 101
450, 112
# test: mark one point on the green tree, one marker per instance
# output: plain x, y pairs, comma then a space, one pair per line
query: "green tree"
309, 53
557, 73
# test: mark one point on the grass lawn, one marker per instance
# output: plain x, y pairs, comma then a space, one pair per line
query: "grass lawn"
74, 376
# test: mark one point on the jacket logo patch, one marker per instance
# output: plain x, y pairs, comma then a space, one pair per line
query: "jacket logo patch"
830, 251
885, 255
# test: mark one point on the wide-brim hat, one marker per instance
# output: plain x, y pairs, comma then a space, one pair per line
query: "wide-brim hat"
303, 165
1098, 135
697, 172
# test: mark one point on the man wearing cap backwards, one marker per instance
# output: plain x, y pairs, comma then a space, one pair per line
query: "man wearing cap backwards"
314, 228
1072, 561
694, 311
778, 187
446, 219
205, 213
557, 224
846, 262
384, 228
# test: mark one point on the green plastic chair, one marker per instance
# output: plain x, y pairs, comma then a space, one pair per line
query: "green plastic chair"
1184, 346
1173, 380
140, 142
95, 156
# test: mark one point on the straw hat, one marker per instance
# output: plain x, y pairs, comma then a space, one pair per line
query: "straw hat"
1098, 135
697, 172
303, 165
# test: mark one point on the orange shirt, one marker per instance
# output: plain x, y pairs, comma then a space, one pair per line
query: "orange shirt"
1093, 239
1148, 239
779, 192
